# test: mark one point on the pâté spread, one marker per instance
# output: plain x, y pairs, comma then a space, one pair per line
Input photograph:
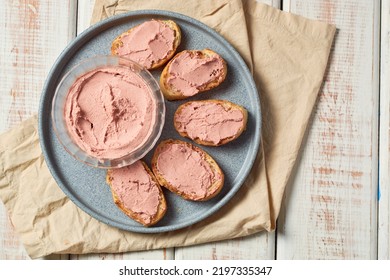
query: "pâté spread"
110, 112
136, 190
209, 121
148, 43
191, 72
187, 170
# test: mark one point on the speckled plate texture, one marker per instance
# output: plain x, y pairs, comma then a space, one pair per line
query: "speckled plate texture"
86, 186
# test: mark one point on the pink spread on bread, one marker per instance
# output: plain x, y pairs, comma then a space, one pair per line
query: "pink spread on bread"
189, 72
136, 190
209, 121
110, 112
186, 170
148, 43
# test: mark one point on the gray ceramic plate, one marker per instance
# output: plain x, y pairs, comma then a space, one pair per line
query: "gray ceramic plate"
86, 186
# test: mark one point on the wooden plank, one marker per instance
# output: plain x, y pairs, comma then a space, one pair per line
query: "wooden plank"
84, 12
257, 246
273, 3
33, 34
163, 254
384, 159
330, 208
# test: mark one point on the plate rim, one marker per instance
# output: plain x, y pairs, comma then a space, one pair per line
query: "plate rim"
68, 52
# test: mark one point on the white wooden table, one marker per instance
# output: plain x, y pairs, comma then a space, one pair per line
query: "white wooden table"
331, 208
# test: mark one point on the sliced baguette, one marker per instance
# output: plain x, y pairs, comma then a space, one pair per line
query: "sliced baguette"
137, 216
205, 124
186, 172
172, 93
118, 42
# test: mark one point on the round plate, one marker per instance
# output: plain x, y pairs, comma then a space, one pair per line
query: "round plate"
86, 186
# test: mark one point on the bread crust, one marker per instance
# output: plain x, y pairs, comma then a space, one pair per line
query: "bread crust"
162, 207
212, 190
117, 42
227, 105
171, 93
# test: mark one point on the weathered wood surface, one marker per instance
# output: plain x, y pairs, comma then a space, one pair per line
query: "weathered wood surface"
33, 33
330, 208
384, 137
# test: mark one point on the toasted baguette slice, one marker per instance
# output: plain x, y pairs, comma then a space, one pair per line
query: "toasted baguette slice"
187, 170
210, 122
118, 43
201, 77
137, 172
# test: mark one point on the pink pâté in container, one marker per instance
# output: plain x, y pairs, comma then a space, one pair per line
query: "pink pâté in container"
108, 111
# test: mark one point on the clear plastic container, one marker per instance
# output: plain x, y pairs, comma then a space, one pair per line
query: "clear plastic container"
72, 144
